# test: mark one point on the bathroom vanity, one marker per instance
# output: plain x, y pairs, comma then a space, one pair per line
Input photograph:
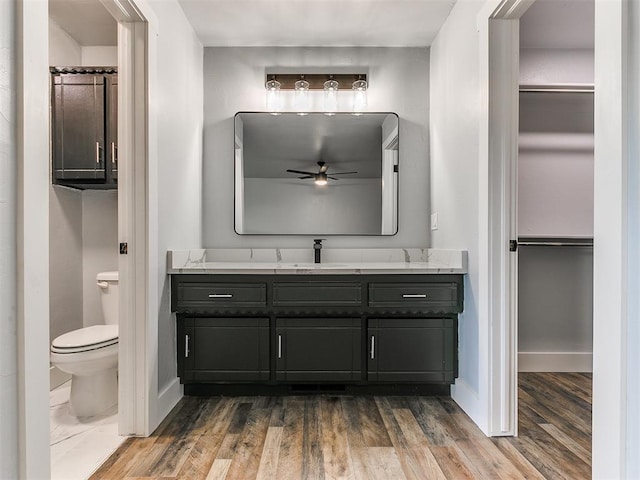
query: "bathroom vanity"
292, 325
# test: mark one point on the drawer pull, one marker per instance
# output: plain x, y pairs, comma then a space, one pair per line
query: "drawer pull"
98, 153
414, 295
220, 295
279, 346
373, 347
186, 346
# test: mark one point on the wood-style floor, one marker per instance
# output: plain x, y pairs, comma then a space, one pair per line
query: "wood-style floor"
390, 438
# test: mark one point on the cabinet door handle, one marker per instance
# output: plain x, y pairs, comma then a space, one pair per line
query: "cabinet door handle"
414, 295
113, 153
220, 295
373, 347
98, 153
279, 346
186, 346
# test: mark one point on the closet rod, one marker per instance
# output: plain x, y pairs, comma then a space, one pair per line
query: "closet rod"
556, 89
555, 244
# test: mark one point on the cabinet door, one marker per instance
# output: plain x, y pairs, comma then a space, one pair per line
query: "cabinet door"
112, 128
318, 349
411, 350
224, 350
78, 127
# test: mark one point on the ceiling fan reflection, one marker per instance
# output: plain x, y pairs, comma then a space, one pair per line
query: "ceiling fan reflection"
320, 177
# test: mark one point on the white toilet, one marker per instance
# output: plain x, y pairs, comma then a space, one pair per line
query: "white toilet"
90, 355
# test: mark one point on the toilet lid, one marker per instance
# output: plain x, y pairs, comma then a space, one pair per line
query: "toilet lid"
93, 336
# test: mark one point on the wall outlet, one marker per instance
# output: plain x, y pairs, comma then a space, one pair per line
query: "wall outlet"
434, 221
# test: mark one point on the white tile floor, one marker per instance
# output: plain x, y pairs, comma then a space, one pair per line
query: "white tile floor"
79, 446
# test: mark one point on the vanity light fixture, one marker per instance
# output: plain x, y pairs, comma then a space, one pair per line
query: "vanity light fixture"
303, 84
273, 94
302, 100
359, 88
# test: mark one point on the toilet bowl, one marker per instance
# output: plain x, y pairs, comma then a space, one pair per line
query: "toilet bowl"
90, 355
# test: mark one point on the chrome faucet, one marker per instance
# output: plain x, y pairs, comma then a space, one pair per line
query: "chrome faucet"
317, 246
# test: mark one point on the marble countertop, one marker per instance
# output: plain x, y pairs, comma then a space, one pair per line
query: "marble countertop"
300, 261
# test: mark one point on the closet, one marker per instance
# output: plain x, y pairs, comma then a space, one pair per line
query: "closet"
555, 228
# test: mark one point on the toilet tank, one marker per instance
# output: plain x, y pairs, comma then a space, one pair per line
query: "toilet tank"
108, 283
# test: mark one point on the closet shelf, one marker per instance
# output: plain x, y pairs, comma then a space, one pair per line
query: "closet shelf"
555, 242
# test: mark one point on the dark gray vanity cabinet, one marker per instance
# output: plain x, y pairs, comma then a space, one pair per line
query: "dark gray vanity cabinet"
411, 350
223, 349
318, 350
362, 331
84, 127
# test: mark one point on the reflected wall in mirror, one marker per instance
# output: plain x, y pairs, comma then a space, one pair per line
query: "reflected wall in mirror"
316, 174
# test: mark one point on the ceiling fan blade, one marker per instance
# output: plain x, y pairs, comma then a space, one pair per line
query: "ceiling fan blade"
332, 178
299, 171
343, 173
308, 176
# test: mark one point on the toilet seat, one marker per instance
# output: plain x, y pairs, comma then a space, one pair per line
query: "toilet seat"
86, 339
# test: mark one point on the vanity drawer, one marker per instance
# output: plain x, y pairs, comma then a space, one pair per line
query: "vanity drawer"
317, 293
209, 295
432, 295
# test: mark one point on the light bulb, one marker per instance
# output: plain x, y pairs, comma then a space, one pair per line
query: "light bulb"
301, 100
273, 95
359, 95
330, 96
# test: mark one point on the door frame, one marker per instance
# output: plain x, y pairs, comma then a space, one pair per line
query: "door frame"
498, 25
137, 353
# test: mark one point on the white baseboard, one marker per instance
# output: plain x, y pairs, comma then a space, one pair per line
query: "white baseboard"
168, 398
57, 377
555, 362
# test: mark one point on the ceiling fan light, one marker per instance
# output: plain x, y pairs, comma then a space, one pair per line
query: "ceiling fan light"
321, 179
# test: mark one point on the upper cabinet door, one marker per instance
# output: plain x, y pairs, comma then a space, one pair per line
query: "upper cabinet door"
79, 127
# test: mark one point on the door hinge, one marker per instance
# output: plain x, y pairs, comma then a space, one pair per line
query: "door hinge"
513, 245
124, 247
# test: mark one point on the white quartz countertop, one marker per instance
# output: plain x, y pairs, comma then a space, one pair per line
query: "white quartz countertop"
300, 261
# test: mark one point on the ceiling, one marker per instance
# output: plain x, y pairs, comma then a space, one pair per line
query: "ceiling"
327, 23
87, 21
558, 24
244, 23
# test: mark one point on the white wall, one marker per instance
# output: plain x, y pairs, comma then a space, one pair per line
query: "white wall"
353, 205
546, 66
63, 48
234, 81
175, 173
65, 260
99, 248
8, 314
99, 56
455, 118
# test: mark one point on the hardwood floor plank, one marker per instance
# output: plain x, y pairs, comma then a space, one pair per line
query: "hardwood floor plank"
524, 467
487, 459
291, 453
453, 463
580, 452
246, 458
355, 437
312, 451
384, 464
335, 446
373, 430
269, 458
219, 469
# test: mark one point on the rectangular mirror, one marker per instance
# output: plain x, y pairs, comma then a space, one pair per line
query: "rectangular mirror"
316, 174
